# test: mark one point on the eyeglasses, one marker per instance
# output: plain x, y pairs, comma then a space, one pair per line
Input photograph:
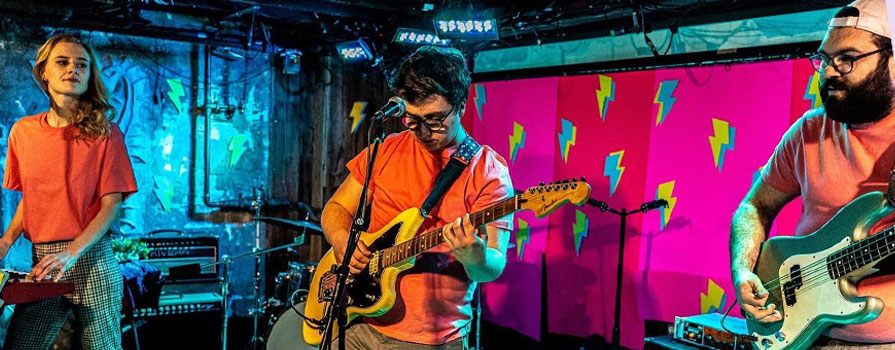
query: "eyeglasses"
843, 64
413, 122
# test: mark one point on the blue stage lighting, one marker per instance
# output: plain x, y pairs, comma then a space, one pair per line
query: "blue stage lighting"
418, 37
467, 29
354, 51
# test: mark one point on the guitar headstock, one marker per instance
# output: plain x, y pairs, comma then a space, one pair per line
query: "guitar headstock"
544, 199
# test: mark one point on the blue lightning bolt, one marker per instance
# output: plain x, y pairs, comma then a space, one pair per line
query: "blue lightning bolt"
579, 229
237, 147
357, 114
163, 192
812, 91
665, 99
613, 169
605, 94
567, 138
517, 140
479, 98
176, 92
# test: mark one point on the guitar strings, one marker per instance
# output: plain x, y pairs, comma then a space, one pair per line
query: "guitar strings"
814, 268
817, 273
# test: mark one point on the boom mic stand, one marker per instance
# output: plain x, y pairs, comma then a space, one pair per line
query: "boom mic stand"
336, 310
645, 207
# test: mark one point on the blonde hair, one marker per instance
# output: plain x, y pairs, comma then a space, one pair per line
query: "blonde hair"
92, 114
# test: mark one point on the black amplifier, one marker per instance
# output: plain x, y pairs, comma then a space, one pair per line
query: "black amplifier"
168, 250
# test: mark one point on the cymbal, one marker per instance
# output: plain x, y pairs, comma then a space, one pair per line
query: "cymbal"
289, 224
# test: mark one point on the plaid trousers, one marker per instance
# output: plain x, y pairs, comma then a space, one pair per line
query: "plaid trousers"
96, 303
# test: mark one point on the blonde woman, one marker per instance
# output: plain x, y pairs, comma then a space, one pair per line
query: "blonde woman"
71, 165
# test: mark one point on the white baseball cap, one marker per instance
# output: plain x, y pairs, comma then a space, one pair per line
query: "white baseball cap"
871, 17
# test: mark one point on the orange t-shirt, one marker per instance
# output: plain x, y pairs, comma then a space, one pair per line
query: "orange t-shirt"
830, 165
62, 177
433, 304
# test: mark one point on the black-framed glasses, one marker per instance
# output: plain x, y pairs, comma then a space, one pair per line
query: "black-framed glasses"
843, 64
413, 122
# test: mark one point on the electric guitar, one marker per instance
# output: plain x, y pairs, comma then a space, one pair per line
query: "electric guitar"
812, 280
394, 248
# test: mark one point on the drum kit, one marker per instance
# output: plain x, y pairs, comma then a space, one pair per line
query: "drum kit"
283, 309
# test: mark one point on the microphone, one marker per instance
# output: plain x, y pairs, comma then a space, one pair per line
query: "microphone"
653, 205
394, 108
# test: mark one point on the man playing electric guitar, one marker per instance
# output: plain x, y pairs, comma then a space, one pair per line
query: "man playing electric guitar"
829, 157
432, 310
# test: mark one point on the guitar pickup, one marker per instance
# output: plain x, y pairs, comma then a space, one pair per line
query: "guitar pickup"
795, 282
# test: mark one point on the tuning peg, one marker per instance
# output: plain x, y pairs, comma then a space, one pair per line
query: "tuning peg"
541, 184
583, 179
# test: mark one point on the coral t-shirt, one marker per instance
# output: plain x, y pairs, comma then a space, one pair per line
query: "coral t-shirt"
829, 165
62, 177
433, 304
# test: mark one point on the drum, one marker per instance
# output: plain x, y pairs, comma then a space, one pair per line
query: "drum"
285, 332
297, 277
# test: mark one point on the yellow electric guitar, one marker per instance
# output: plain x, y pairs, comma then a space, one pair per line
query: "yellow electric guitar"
371, 293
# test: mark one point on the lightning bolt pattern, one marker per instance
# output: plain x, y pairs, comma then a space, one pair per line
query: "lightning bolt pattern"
567, 138
613, 169
714, 300
163, 191
357, 114
665, 99
237, 147
722, 141
579, 229
175, 92
517, 140
523, 236
665, 191
812, 91
605, 94
480, 99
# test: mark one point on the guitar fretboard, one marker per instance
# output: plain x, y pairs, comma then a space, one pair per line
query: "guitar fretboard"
430, 239
861, 253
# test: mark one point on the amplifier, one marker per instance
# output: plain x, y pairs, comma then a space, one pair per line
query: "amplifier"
705, 330
178, 304
170, 250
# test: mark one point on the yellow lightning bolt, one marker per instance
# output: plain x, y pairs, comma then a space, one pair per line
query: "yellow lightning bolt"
813, 92
605, 94
357, 114
721, 138
714, 300
665, 191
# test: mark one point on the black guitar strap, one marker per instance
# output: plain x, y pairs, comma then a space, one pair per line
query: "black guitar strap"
459, 160
890, 194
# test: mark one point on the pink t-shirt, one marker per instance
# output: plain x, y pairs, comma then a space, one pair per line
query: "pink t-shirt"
829, 165
433, 304
62, 177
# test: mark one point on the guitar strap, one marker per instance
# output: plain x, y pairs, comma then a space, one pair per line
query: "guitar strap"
459, 161
890, 193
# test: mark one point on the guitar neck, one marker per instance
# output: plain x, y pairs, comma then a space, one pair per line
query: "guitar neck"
430, 239
861, 253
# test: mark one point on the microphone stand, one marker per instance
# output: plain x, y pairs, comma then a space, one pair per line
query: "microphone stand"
624, 213
336, 310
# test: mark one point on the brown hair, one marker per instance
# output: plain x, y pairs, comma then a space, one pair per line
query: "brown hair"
92, 114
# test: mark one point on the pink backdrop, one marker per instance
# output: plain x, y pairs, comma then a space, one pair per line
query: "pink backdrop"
694, 136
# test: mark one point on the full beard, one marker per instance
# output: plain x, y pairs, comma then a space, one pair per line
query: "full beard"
865, 102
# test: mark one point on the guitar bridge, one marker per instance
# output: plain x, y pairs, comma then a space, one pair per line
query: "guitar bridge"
327, 290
